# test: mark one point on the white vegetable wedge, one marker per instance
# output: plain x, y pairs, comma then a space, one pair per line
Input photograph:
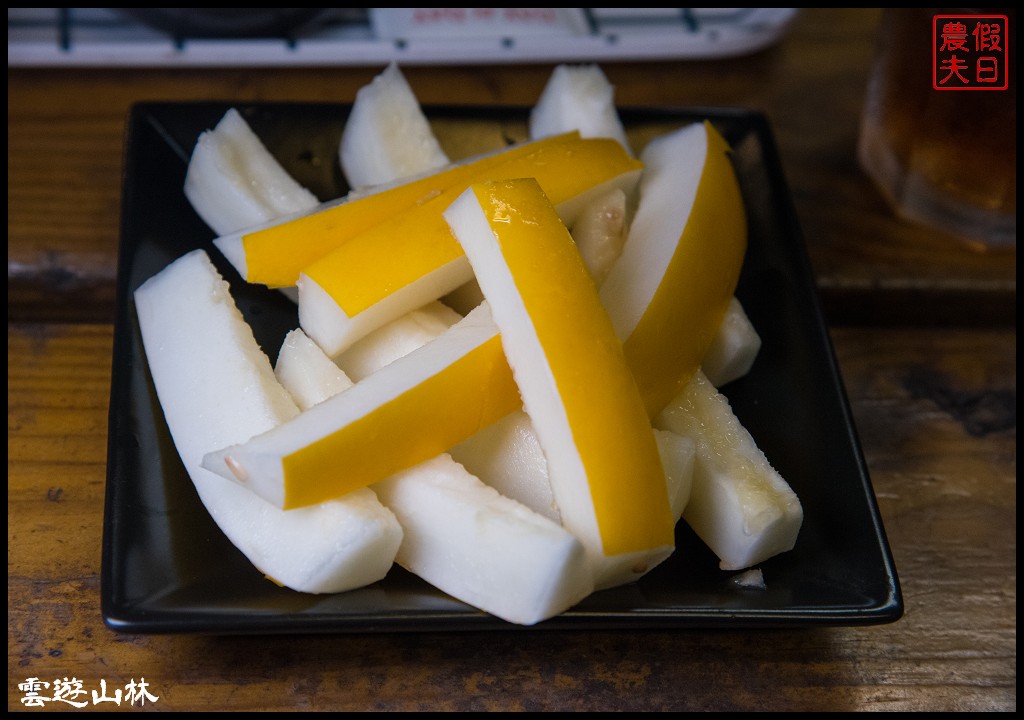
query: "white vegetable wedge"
308, 375
483, 548
396, 339
734, 349
216, 387
678, 456
233, 182
508, 457
387, 136
578, 97
739, 505
600, 233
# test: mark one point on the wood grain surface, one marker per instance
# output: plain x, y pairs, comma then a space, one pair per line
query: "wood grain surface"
936, 410
923, 325
65, 129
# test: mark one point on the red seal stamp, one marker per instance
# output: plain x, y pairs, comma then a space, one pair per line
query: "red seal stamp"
970, 52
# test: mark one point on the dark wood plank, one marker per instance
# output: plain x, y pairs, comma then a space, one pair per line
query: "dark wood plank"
936, 412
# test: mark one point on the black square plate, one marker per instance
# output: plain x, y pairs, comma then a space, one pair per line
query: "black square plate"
168, 568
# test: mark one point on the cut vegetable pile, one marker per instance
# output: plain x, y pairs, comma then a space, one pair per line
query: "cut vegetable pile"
504, 374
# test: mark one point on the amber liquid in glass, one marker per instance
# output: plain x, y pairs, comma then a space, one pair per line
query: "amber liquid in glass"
947, 158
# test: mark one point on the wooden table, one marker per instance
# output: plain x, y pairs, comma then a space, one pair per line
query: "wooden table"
923, 325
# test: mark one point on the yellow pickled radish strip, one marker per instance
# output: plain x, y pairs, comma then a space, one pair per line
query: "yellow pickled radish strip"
605, 470
405, 413
274, 255
669, 290
394, 254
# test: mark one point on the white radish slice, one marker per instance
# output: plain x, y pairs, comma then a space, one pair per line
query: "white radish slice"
600, 232
396, 339
216, 387
734, 349
387, 136
483, 548
233, 182
578, 97
306, 372
508, 457
678, 454
739, 504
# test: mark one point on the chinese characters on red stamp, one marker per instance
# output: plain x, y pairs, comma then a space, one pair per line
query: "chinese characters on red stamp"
970, 52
